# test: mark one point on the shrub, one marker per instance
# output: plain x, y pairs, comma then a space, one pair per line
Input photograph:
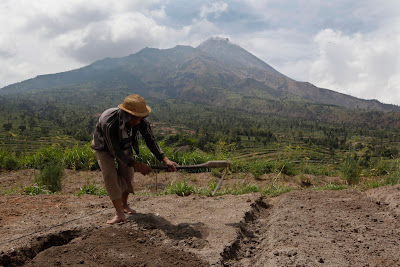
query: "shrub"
10, 163
50, 175
381, 167
80, 158
240, 166
394, 177
44, 156
350, 170
261, 167
285, 168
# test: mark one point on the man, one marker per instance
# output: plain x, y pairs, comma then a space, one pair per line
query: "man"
114, 137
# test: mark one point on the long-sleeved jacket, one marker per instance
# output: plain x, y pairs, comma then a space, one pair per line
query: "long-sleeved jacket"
112, 135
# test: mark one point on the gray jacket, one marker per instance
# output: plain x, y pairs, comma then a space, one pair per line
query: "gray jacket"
113, 135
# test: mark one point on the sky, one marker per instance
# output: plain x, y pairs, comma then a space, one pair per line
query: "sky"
349, 46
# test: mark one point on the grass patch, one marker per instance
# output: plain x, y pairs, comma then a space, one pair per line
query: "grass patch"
10, 191
180, 188
92, 189
240, 189
34, 190
273, 191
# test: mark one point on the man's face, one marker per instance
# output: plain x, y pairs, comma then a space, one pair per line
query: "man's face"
135, 121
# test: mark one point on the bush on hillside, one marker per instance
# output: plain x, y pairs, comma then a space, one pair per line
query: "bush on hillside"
350, 170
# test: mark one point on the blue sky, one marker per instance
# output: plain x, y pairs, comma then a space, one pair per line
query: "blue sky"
350, 46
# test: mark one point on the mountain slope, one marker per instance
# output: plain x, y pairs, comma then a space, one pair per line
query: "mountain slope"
230, 54
223, 50
217, 72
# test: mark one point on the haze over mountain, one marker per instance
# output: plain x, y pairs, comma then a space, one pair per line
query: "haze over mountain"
216, 72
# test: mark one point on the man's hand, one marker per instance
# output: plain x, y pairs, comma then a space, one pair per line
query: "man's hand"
142, 168
170, 164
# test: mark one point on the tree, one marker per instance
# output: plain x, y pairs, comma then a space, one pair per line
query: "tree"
22, 128
7, 126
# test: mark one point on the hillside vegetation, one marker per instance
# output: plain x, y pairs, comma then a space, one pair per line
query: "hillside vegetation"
216, 101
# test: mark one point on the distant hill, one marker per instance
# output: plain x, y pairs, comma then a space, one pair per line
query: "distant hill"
216, 72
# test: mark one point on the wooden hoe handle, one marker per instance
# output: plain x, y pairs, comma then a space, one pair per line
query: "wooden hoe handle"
206, 165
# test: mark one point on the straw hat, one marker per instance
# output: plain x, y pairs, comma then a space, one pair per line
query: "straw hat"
135, 105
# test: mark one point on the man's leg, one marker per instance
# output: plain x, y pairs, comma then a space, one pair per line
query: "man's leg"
126, 175
125, 204
120, 217
110, 176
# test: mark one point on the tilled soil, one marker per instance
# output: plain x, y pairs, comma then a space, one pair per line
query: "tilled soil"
315, 228
301, 228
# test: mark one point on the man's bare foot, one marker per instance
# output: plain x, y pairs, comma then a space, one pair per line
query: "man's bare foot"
116, 219
129, 210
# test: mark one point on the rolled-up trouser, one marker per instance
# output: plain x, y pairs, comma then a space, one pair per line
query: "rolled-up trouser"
117, 179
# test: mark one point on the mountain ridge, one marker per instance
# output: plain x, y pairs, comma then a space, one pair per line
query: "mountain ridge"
214, 71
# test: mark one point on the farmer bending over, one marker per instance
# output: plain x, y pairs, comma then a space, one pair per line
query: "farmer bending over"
114, 137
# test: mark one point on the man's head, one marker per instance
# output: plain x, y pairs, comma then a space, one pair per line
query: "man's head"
135, 105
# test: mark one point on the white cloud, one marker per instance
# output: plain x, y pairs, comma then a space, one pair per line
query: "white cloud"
278, 47
360, 65
8, 46
158, 13
215, 9
53, 36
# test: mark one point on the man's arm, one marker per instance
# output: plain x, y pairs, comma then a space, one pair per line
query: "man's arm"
151, 142
147, 133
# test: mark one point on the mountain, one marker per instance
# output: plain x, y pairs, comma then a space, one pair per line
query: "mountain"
230, 54
216, 72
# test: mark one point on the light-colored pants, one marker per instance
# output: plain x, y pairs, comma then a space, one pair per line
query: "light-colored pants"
117, 179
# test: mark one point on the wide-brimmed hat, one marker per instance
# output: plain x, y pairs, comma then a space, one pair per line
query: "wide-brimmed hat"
135, 105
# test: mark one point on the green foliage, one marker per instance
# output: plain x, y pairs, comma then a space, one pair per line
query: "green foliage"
381, 167
80, 158
240, 166
394, 177
34, 190
240, 189
350, 170
8, 161
182, 158
92, 189
373, 183
7, 126
180, 188
274, 191
44, 156
50, 175
10, 191
285, 168
307, 167
260, 167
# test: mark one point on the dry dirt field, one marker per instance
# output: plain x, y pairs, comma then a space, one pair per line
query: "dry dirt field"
301, 228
